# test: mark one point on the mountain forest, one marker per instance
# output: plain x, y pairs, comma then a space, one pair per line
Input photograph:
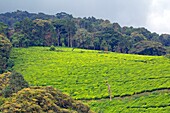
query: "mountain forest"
65, 64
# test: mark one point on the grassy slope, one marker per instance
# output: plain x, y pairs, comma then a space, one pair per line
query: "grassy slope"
83, 74
157, 102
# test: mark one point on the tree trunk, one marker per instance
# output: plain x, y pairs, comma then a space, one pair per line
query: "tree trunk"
71, 42
58, 34
68, 39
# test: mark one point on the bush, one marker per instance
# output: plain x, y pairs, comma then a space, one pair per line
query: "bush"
43, 100
52, 48
16, 82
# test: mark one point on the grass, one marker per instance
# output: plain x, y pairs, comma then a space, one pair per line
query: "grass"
83, 74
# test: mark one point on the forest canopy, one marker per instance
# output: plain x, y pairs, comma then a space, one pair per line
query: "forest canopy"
26, 29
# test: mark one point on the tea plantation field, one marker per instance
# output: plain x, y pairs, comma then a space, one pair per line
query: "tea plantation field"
155, 102
83, 74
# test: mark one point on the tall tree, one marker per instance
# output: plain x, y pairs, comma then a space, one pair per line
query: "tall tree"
82, 37
19, 40
44, 30
71, 30
60, 28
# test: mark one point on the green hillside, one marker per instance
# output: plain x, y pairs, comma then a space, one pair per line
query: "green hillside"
137, 82
155, 102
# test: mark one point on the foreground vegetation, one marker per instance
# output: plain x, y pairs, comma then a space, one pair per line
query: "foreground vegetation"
84, 75
16, 97
43, 100
10, 83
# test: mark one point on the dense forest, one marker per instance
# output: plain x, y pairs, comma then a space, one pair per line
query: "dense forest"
26, 29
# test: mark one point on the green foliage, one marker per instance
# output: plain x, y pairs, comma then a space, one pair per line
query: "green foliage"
5, 47
19, 40
10, 64
148, 48
136, 37
83, 75
155, 102
42, 100
165, 39
4, 81
63, 29
16, 82
2, 100
52, 48
167, 56
3, 28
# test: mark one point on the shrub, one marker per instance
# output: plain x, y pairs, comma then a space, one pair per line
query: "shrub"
16, 82
43, 99
52, 48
